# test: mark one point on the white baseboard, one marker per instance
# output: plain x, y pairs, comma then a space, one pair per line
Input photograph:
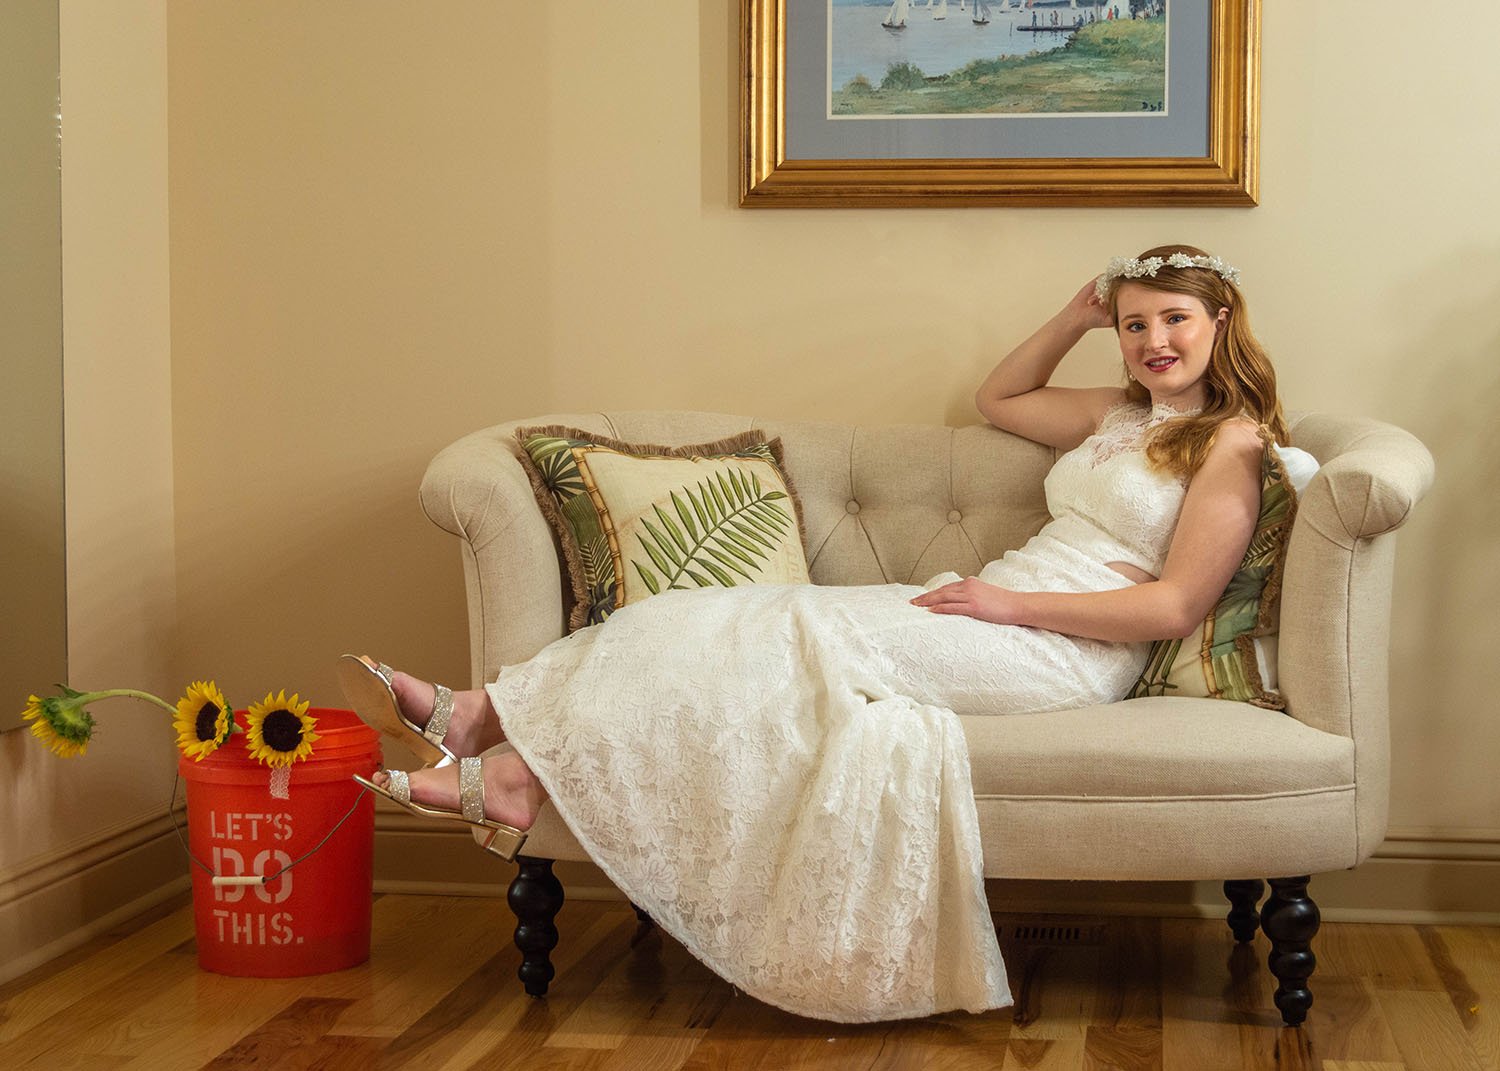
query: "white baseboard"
55, 903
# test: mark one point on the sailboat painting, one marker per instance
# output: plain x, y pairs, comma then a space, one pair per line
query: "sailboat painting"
996, 57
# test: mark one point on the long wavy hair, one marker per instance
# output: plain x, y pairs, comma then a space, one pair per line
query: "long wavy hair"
1239, 381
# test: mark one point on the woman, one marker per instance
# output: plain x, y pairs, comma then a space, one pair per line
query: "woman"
776, 774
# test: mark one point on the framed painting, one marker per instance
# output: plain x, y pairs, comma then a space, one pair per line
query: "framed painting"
858, 103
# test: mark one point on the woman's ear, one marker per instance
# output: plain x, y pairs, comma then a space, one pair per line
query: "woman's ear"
1221, 319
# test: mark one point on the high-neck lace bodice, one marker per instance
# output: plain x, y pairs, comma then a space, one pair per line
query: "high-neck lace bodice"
1107, 501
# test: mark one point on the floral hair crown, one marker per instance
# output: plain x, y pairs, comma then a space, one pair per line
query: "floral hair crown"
1134, 268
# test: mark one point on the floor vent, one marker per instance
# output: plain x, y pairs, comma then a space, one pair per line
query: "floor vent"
1052, 934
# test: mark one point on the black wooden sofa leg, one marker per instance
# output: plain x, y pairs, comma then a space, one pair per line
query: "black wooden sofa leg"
1244, 899
536, 896
1290, 919
643, 927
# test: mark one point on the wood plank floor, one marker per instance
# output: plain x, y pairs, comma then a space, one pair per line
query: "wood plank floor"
440, 993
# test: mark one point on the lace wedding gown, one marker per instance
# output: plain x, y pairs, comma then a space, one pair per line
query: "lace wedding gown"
777, 775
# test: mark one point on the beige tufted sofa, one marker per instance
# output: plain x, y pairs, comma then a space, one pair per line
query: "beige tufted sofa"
1157, 788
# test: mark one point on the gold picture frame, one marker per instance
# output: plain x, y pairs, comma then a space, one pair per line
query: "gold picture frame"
1227, 173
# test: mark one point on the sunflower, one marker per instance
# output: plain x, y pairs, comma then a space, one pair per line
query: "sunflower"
61, 722
279, 731
203, 721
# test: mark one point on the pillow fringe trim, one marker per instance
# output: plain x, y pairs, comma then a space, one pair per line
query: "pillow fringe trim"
1268, 617
578, 613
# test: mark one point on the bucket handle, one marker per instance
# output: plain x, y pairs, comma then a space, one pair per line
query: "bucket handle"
249, 879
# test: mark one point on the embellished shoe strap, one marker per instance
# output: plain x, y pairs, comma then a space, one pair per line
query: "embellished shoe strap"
385, 673
442, 711
471, 788
400, 785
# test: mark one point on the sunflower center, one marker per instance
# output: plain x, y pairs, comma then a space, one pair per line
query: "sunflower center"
281, 730
207, 726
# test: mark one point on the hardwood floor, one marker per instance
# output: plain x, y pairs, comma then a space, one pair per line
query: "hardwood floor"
440, 992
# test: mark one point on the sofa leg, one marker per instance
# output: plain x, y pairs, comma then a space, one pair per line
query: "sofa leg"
536, 896
1290, 920
643, 927
1244, 897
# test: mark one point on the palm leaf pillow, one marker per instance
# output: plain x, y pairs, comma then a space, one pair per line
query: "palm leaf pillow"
1232, 655
636, 520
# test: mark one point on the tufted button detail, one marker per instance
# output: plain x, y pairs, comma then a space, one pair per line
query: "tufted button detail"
954, 516
851, 506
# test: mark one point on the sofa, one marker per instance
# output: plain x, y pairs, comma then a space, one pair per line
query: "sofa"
1155, 788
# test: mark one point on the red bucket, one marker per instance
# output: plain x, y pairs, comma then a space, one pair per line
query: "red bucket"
315, 917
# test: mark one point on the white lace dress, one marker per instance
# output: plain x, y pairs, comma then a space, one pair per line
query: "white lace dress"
777, 776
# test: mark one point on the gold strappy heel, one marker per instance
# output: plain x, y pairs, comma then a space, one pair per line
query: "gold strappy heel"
503, 840
367, 686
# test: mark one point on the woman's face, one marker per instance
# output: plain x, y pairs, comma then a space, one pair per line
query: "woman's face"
1166, 340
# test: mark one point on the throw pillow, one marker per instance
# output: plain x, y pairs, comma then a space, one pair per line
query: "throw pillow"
634, 520
1232, 655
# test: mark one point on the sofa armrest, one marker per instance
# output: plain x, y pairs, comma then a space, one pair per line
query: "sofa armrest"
1336, 592
477, 490
1372, 475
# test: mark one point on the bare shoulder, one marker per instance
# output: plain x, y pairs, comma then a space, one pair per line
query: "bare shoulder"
1239, 437
1234, 458
1106, 399
1096, 403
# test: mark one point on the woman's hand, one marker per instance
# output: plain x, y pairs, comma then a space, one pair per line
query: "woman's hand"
1087, 311
973, 598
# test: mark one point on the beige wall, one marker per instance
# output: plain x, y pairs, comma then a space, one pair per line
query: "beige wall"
391, 224
390, 227
82, 841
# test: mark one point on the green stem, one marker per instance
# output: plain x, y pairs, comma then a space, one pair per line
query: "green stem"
130, 693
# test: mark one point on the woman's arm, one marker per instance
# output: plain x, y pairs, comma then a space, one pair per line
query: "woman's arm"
1217, 520
1015, 396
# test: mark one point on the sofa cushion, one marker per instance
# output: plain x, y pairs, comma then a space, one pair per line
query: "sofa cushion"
1154, 747
634, 520
1169, 839
1232, 654
1158, 787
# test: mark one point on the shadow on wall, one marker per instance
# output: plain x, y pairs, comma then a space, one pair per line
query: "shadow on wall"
368, 573
1448, 575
